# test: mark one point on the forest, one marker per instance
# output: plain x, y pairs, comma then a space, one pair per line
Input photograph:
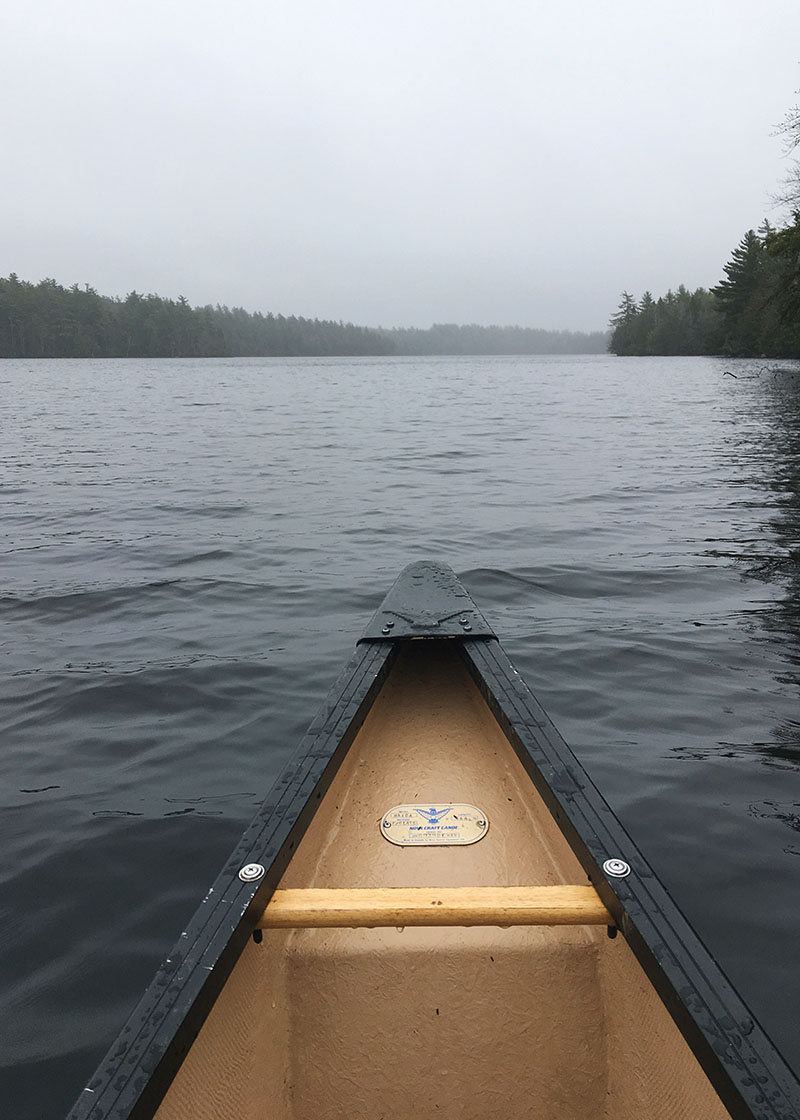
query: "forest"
754, 310
47, 320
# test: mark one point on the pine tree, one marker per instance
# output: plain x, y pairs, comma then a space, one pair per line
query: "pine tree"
623, 333
783, 246
742, 296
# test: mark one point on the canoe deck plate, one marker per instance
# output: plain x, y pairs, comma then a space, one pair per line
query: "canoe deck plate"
448, 823
427, 600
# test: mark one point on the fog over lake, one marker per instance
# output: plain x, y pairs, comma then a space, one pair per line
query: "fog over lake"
391, 164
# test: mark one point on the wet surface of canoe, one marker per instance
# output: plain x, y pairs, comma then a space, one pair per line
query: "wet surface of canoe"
466, 964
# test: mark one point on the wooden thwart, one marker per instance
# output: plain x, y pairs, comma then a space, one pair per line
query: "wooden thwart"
435, 906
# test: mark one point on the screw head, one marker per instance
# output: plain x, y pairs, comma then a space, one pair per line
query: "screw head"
250, 872
617, 868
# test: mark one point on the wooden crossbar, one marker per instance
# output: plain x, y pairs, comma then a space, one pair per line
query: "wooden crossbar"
435, 906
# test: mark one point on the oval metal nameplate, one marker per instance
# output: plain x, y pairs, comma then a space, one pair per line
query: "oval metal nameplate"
415, 825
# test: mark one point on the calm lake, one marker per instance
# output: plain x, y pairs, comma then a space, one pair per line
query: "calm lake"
190, 549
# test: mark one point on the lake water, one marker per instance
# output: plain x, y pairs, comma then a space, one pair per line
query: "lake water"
190, 549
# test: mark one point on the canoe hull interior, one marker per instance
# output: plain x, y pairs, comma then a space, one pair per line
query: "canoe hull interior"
534, 1021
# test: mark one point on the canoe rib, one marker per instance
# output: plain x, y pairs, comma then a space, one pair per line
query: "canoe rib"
435, 906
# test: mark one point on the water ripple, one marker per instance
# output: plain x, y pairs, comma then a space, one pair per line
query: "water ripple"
182, 583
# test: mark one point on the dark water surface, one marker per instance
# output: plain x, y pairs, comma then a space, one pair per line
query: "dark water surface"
191, 548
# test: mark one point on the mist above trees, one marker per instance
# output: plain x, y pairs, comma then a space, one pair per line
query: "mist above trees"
753, 311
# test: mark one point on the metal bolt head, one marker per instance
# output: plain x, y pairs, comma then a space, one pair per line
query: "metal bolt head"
250, 872
617, 868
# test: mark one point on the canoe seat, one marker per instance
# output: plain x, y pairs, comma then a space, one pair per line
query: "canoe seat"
313, 908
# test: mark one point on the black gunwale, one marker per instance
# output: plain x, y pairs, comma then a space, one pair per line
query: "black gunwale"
751, 1078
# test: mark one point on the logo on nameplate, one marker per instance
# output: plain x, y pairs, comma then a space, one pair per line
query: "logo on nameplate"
416, 825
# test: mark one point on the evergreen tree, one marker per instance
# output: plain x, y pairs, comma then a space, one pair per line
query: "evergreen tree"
623, 326
743, 272
680, 322
783, 247
743, 296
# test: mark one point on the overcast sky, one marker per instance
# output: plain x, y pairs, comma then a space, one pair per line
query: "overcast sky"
391, 163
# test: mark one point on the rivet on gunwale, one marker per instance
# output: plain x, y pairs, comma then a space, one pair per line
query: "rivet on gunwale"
250, 872
618, 868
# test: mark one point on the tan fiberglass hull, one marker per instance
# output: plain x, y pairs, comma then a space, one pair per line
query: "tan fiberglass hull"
552, 1022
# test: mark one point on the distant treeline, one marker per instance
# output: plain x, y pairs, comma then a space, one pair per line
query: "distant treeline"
47, 320
447, 338
753, 312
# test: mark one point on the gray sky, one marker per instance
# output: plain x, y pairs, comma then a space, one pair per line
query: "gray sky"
391, 163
